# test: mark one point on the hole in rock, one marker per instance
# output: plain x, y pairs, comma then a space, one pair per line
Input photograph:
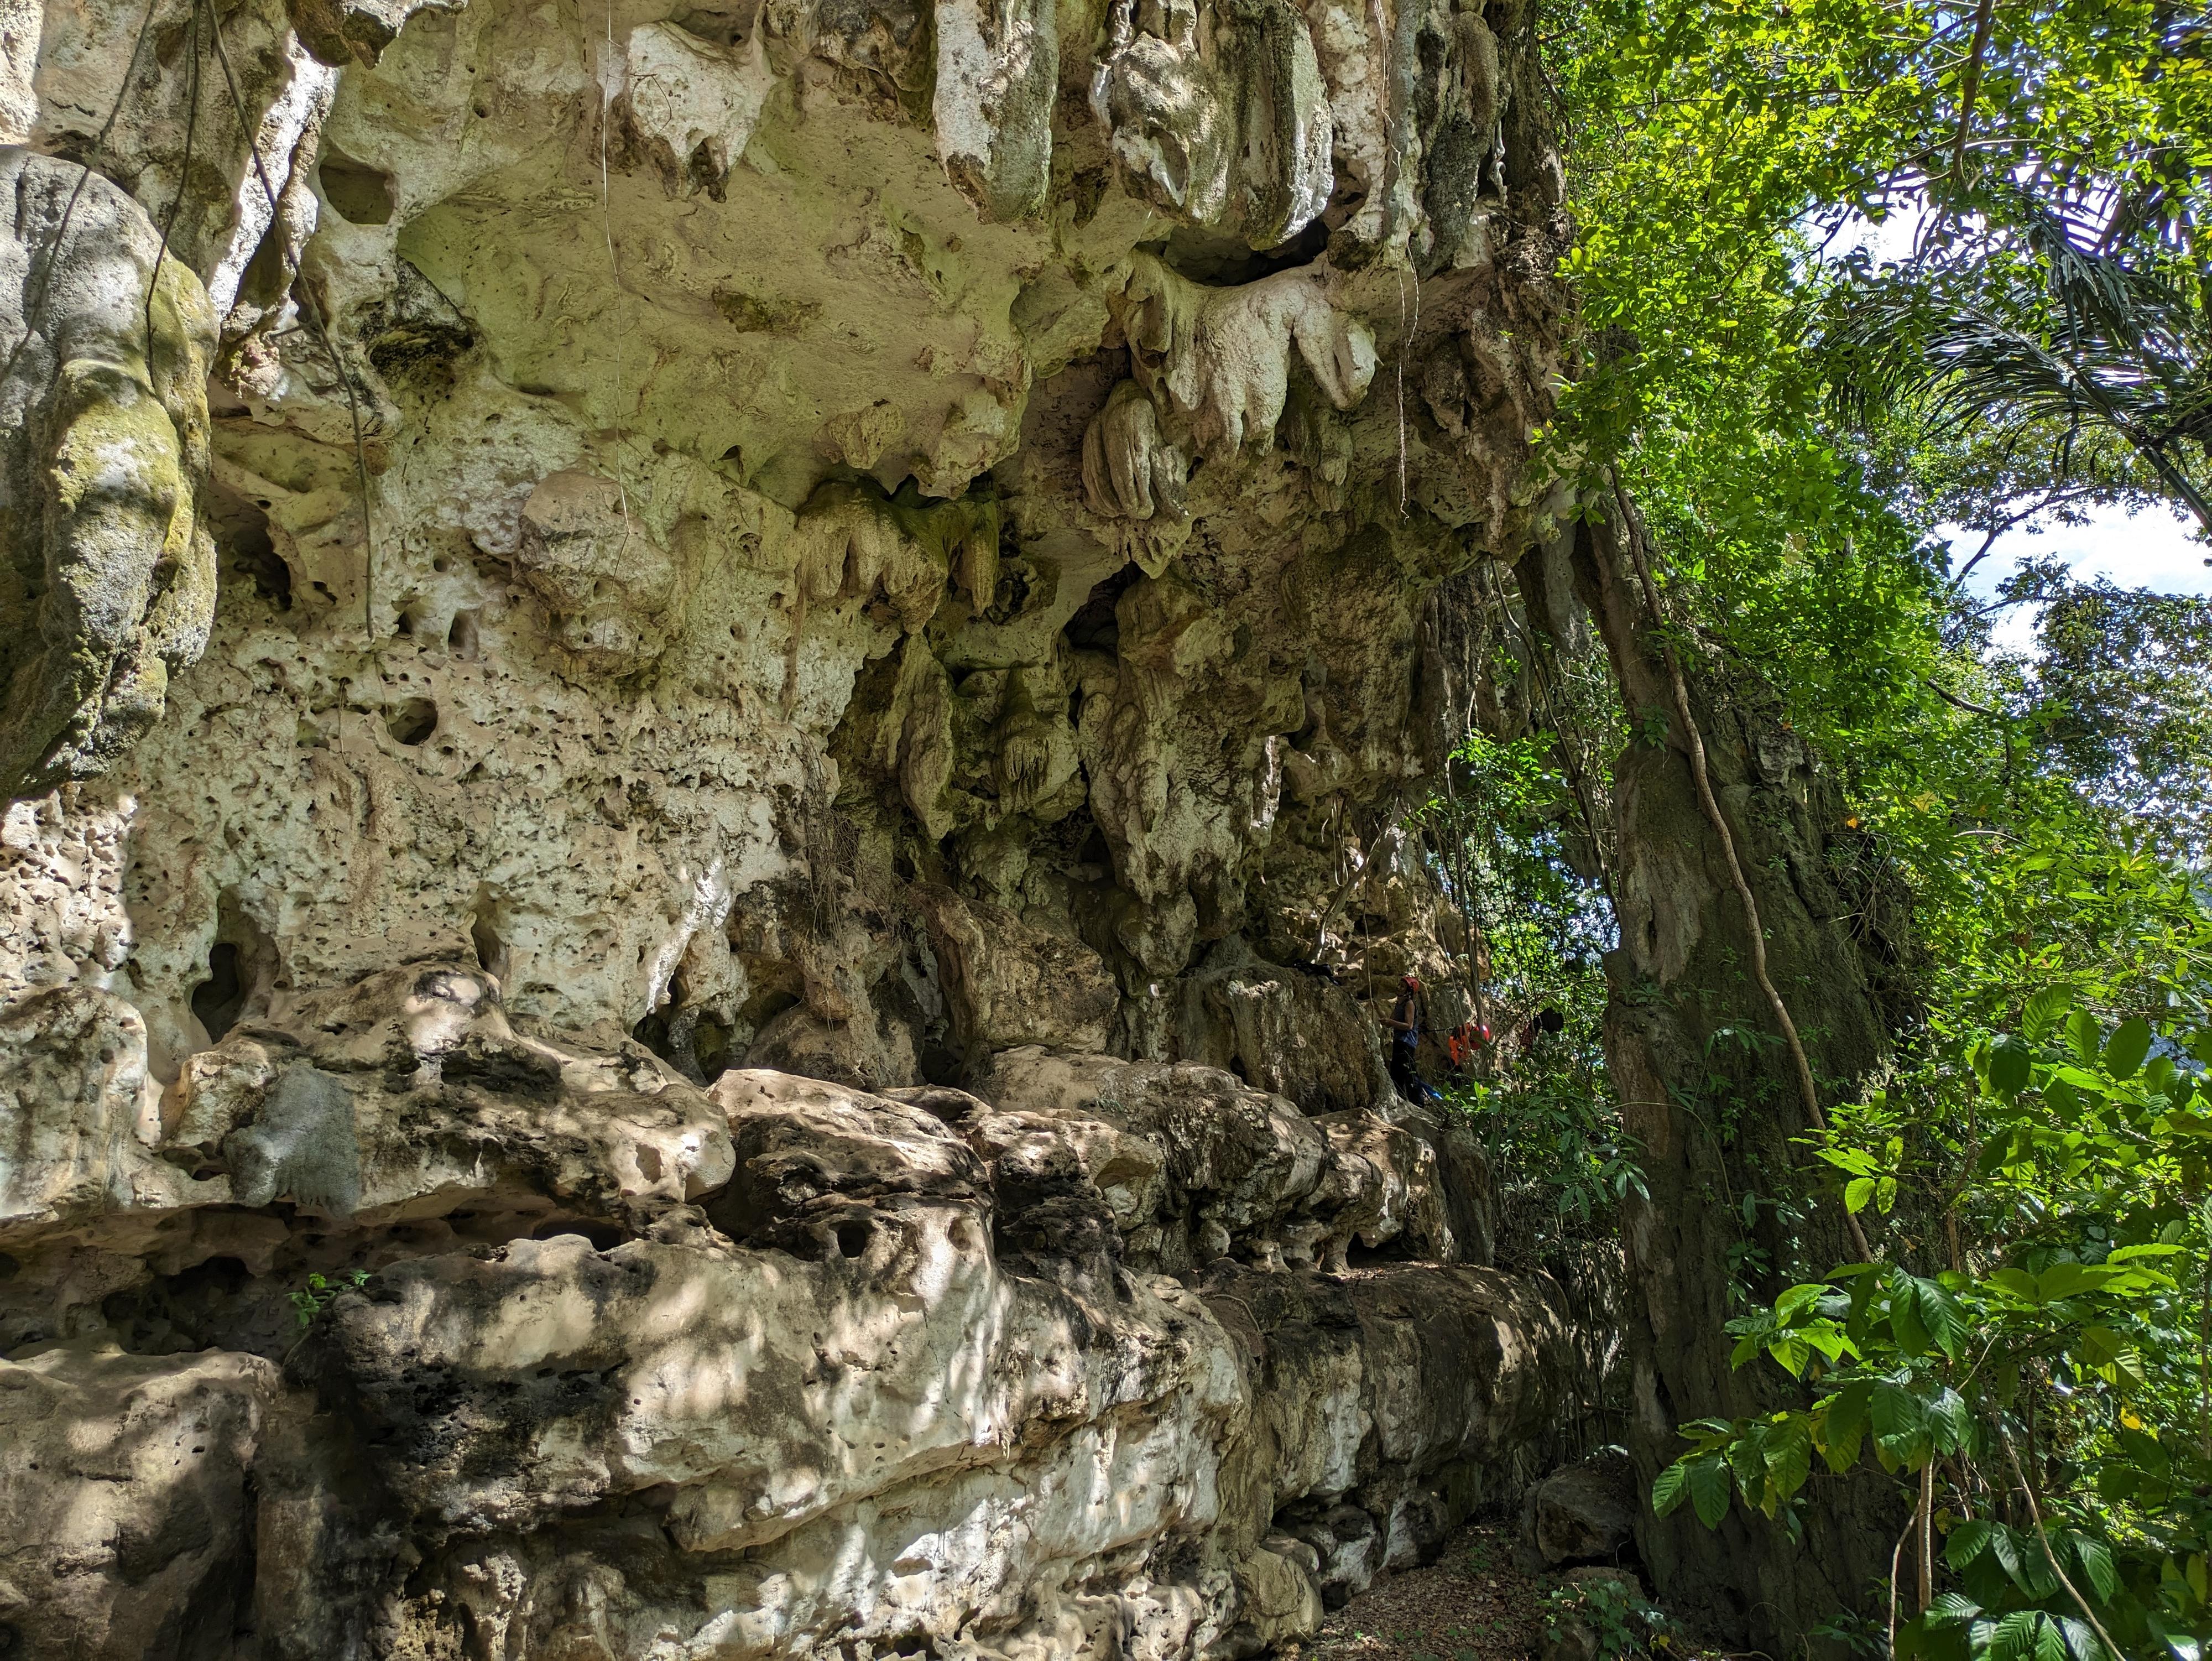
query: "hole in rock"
241, 531
852, 1239
603, 1236
1094, 628
1228, 262
491, 951
360, 194
726, 25
413, 722
217, 1000
462, 638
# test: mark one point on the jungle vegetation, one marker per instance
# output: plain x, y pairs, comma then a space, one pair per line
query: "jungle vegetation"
1807, 430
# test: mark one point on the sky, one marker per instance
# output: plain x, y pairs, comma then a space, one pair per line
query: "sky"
2147, 549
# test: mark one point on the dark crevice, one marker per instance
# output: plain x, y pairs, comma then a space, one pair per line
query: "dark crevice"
217, 1000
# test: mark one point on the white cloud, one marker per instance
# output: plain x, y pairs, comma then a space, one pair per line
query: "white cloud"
2147, 549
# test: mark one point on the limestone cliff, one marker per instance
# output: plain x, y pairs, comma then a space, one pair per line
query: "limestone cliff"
691, 698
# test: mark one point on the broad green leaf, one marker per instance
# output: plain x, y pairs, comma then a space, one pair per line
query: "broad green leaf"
1953, 1425
1900, 1424
2096, 1558
1798, 1300
1857, 1193
1950, 1608
1905, 1321
1789, 1458
2043, 1008
2017, 1637
2125, 1050
2128, 1254
1670, 1488
1708, 1489
2017, 1281
2068, 1280
2081, 1036
2012, 1063
1843, 1426
1968, 1540
2005, 1547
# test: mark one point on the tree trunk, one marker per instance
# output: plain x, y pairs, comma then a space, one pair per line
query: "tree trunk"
1708, 1089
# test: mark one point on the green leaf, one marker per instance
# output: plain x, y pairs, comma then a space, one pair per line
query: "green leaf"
1789, 1458
2043, 1009
1953, 1425
1708, 1489
2004, 1546
1843, 1426
1945, 1316
1900, 1424
2017, 1281
1670, 1488
2012, 1063
1905, 1322
2081, 1036
1857, 1193
2128, 1254
1798, 1300
2096, 1558
2068, 1280
1968, 1540
2125, 1050
2016, 1637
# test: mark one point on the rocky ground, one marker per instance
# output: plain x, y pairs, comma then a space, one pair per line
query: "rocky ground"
1473, 1603
1481, 1600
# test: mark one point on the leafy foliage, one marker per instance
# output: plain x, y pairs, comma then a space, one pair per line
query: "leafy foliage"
2055, 1375
1617, 1620
2118, 698
1503, 830
2027, 1355
2050, 336
320, 1292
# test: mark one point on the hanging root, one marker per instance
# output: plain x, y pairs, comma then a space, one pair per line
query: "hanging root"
1803, 1064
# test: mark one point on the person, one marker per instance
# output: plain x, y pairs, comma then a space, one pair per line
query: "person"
1462, 1041
1404, 1021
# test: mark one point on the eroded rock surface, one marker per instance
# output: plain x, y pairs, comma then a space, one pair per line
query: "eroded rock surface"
785, 1365
708, 717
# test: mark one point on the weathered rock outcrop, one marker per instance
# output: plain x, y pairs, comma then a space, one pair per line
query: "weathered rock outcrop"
690, 696
603, 1358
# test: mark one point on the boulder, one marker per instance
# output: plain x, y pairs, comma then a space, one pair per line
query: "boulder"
1585, 1513
126, 1480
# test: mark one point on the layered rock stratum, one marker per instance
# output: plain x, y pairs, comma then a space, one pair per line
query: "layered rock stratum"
708, 717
